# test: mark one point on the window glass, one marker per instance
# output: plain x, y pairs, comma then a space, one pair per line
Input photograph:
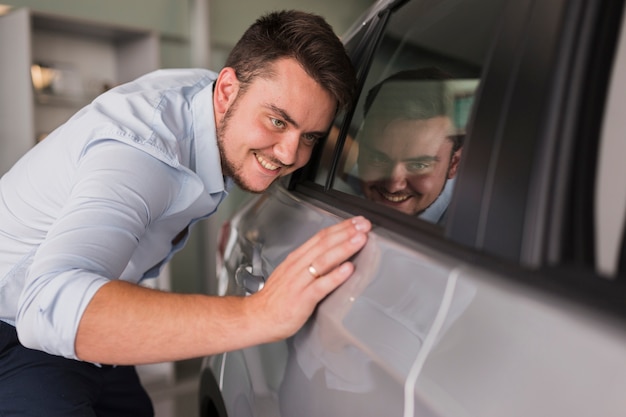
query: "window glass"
406, 138
356, 45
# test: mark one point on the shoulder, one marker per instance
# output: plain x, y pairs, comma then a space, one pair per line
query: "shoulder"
153, 112
169, 79
161, 90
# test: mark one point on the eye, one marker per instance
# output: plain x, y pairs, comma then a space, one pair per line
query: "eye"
377, 159
417, 166
310, 139
278, 123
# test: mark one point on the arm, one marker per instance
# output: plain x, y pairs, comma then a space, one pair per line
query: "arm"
128, 324
91, 225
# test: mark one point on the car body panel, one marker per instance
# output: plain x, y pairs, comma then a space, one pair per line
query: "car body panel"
495, 340
501, 310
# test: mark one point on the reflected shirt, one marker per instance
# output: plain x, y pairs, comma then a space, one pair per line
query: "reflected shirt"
436, 212
102, 198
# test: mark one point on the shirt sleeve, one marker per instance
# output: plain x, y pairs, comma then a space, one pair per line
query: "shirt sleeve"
117, 191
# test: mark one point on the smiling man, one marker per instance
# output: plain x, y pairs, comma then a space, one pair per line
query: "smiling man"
409, 148
107, 199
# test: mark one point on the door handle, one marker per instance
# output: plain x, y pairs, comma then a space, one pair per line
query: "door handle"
246, 279
250, 277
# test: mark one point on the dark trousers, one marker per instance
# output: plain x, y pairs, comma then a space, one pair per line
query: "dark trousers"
36, 384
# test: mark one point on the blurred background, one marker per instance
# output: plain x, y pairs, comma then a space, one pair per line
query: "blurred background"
56, 56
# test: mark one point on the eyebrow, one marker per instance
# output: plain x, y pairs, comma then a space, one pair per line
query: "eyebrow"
283, 114
421, 158
425, 158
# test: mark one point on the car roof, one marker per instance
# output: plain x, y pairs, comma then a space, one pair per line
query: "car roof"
367, 15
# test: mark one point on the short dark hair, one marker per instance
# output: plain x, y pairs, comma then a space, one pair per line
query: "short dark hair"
419, 95
306, 37
421, 74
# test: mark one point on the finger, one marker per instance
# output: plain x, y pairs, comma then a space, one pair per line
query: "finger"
333, 244
336, 232
327, 283
325, 261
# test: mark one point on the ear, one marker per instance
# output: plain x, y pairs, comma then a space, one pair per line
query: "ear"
225, 92
454, 163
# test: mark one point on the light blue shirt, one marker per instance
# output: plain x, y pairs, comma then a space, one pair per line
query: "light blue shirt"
102, 197
436, 212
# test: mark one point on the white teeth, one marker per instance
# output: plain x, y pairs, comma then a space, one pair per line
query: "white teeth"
395, 198
266, 164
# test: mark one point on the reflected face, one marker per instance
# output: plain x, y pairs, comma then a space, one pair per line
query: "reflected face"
269, 130
405, 166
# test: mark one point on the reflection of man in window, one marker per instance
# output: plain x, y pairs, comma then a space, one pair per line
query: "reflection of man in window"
409, 148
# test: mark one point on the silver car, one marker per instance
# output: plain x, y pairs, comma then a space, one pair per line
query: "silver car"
487, 147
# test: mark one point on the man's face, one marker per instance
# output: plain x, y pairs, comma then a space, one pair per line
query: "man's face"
405, 165
269, 130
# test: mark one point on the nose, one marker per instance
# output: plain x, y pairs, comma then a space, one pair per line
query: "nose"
286, 149
396, 180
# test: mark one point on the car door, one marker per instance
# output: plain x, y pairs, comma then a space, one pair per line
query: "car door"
355, 355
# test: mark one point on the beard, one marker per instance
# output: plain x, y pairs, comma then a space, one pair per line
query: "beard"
229, 168
375, 190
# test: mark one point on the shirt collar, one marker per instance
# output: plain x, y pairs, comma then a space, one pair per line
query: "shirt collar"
434, 213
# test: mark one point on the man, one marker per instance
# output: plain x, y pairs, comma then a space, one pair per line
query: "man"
106, 199
409, 149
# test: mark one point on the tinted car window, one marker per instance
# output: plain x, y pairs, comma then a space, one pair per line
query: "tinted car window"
404, 144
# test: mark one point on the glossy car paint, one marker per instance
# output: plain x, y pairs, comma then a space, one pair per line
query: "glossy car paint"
416, 331
396, 326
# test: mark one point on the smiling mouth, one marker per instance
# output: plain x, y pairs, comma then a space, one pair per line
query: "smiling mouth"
395, 198
266, 164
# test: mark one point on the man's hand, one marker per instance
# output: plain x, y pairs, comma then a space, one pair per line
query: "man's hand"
306, 276
125, 323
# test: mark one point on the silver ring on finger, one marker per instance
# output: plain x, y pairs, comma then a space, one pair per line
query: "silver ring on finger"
313, 271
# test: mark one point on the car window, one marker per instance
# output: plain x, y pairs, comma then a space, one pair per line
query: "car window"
357, 47
405, 141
